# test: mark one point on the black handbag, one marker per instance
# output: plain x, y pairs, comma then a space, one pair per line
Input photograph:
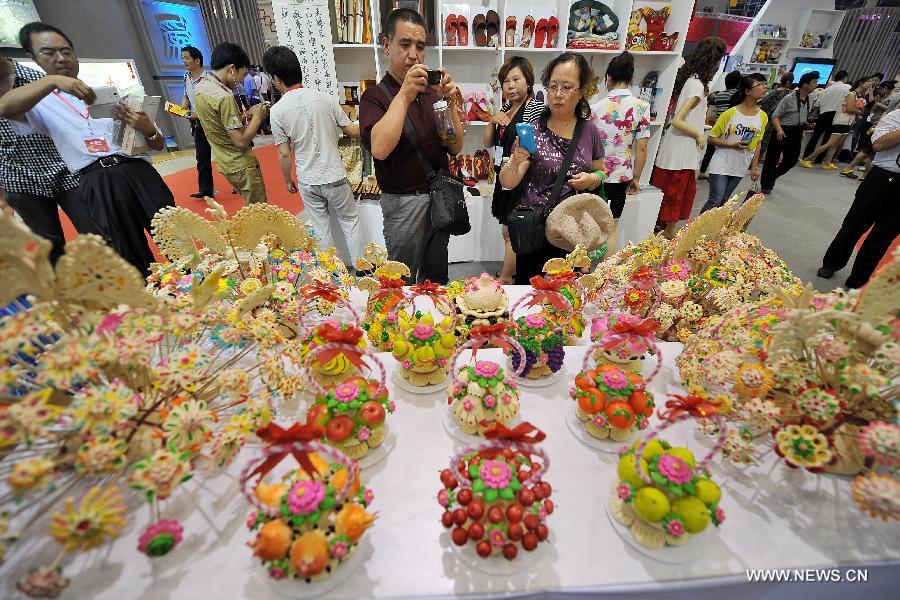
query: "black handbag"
526, 223
448, 205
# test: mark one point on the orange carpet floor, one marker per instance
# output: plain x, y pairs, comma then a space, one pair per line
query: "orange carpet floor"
184, 183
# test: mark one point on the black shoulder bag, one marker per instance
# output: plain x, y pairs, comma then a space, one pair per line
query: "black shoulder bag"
448, 206
525, 222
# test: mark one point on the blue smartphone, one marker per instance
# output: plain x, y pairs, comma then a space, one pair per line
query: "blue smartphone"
525, 131
747, 136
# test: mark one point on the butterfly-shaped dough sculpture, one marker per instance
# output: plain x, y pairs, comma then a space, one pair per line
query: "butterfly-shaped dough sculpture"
89, 276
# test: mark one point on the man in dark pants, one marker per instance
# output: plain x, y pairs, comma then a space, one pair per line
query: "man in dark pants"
829, 102
35, 178
123, 192
192, 59
875, 205
789, 119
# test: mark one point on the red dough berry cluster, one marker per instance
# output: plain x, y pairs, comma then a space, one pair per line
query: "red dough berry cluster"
500, 510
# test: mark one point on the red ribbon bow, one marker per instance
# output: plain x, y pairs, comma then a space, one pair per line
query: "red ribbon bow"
695, 406
275, 435
435, 291
325, 291
524, 432
332, 331
644, 276
389, 286
490, 334
547, 290
624, 331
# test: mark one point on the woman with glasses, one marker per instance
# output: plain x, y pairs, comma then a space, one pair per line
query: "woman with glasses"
737, 134
682, 144
568, 80
516, 78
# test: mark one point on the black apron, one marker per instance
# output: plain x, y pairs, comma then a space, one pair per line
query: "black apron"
504, 201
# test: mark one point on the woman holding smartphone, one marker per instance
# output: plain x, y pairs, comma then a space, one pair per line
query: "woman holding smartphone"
516, 77
567, 80
737, 134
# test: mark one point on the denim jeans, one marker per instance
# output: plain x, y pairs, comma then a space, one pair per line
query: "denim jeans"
720, 189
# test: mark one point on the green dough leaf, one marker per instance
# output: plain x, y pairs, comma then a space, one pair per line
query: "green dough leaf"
491, 494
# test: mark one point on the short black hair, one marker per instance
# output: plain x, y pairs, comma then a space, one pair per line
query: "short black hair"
840, 76
733, 80
407, 15
807, 77
281, 62
878, 76
787, 79
585, 76
38, 27
194, 52
226, 54
621, 68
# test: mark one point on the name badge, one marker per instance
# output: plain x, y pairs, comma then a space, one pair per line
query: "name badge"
498, 156
96, 144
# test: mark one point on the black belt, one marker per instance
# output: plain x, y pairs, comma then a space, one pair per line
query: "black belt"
107, 162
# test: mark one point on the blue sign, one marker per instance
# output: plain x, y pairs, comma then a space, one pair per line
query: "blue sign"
171, 27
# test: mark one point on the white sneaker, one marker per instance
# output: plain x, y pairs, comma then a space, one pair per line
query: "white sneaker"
861, 168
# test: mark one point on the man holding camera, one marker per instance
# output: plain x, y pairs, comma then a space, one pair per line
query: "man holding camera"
223, 121
790, 119
405, 201
122, 192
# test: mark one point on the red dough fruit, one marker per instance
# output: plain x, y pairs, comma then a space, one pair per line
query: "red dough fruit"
475, 510
515, 532
460, 536
514, 513
447, 519
339, 428
510, 551
476, 531
620, 414
526, 497
372, 412
483, 549
495, 514
641, 403
460, 516
548, 506
542, 532
530, 541
531, 522
464, 496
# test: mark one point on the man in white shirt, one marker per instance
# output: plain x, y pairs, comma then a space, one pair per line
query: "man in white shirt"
192, 59
307, 123
123, 192
829, 102
875, 206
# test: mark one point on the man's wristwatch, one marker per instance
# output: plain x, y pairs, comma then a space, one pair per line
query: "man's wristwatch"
155, 135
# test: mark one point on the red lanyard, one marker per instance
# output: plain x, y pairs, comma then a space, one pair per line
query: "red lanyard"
84, 115
293, 87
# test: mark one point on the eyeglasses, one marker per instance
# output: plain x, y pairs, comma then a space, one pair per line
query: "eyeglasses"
51, 52
760, 84
564, 90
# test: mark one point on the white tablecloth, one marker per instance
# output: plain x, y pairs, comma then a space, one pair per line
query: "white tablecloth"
777, 518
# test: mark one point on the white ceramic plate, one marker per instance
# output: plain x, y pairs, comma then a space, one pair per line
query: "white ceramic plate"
577, 428
401, 382
373, 457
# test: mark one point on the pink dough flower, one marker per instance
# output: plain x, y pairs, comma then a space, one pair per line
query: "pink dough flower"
720, 515
276, 573
506, 398
406, 364
346, 392
391, 317
489, 401
674, 469
339, 549
391, 406
615, 380
675, 528
160, 538
251, 518
623, 490
486, 368
497, 537
423, 331
443, 498
468, 405
676, 269
306, 496
495, 474
599, 420
368, 496
363, 434
535, 321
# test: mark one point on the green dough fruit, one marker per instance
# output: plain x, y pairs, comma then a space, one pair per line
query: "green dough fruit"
628, 473
708, 492
684, 454
653, 505
693, 512
653, 448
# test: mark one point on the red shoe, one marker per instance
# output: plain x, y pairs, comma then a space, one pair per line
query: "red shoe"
453, 166
493, 29
540, 33
462, 30
479, 30
476, 112
450, 30
553, 32
527, 32
510, 32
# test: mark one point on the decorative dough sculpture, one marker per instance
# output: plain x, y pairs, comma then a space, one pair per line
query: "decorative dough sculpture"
422, 347
481, 302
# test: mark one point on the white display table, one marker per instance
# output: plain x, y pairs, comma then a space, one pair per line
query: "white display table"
777, 518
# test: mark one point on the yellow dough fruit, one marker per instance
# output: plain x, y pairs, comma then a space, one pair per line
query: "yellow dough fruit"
653, 448
708, 492
684, 454
628, 473
653, 505
693, 512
